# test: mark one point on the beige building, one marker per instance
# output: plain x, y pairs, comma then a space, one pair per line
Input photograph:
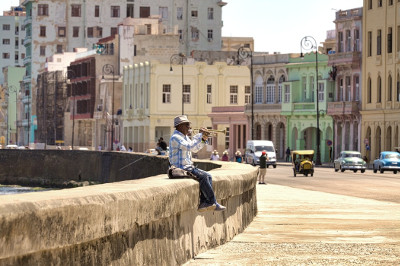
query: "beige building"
380, 77
153, 95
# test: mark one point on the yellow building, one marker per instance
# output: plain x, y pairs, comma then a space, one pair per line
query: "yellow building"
152, 97
380, 77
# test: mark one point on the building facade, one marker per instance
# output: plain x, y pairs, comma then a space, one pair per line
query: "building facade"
380, 77
345, 60
299, 103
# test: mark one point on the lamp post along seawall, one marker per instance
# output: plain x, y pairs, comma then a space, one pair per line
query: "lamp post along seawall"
70, 74
107, 70
309, 43
179, 59
243, 55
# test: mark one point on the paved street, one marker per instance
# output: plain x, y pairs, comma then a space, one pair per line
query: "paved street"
332, 218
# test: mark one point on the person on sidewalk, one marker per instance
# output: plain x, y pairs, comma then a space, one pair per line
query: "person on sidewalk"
262, 171
214, 156
180, 156
288, 154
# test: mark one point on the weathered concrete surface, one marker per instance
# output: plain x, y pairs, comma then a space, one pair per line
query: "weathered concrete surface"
52, 168
152, 221
302, 227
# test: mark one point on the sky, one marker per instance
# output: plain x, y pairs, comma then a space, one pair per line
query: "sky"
275, 25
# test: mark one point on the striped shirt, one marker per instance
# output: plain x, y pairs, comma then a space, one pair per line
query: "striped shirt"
181, 148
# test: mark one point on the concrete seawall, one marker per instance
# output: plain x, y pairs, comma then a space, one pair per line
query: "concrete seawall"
151, 221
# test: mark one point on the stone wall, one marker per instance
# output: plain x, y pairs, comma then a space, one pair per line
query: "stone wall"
151, 221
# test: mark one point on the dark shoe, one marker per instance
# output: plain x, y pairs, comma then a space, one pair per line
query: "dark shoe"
219, 207
206, 207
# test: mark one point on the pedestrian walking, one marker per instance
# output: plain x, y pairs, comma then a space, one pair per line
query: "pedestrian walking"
262, 171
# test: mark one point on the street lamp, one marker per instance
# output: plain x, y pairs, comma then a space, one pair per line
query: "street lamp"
243, 54
309, 43
70, 74
109, 69
178, 59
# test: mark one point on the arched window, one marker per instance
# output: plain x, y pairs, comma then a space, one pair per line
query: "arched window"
369, 92
259, 90
390, 88
281, 80
271, 90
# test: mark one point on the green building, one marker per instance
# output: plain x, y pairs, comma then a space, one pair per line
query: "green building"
300, 107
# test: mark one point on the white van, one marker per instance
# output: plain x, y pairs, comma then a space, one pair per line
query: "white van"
254, 149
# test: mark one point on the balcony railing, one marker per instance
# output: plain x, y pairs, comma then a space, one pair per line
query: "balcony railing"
303, 107
343, 108
264, 107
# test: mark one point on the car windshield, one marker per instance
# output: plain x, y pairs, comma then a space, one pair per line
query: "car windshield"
353, 155
392, 156
264, 148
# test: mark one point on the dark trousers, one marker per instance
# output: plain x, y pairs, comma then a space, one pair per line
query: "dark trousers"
206, 190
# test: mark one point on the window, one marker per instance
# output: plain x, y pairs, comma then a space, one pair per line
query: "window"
179, 13
16, 57
398, 89
390, 87
22, 56
369, 43
379, 42
144, 11
6, 41
281, 80
75, 31
42, 32
42, 50
227, 138
271, 90
210, 35
186, 93
369, 92
348, 89
356, 40
233, 98
166, 93
259, 94
209, 94
43, 9
379, 3
61, 32
59, 48
321, 92
389, 41
115, 11
163, 12
369, 4
287, 93
114, 31
195, 34
129, 11
194, 14
348, 41
75, 10
390, 2
97, 11
340, 39
304, 88
96, 32
90, 32
247, 95
180, 33
379, 90
210, 13
6, 55
357, 88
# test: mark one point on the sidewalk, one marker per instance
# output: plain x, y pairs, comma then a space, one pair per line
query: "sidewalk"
301, 227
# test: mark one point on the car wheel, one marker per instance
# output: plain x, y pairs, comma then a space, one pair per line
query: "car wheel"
306, 174
274, 165
267, 165
355, 171
374, 169
294, 173
394, 172
341, 169
381, 170
362, 171
312, 173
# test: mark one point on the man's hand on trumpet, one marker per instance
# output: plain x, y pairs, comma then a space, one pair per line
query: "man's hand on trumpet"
205, 132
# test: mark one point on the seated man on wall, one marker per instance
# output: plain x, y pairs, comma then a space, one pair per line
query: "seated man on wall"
180, 155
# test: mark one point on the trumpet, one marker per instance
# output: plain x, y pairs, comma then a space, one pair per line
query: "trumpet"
209, 132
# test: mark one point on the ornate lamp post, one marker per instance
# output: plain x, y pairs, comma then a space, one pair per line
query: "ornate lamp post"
309, 43
107, 70
70, 74
243, 54
178, 59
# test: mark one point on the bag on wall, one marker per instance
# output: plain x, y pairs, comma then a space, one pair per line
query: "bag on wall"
175, 172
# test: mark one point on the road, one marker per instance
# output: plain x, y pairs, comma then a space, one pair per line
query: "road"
383, 187
328, 219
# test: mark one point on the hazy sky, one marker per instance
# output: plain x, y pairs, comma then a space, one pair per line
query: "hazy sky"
275, 25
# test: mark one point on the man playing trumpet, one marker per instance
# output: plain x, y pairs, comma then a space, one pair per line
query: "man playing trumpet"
180, 155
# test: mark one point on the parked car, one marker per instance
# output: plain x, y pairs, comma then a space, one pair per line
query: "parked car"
12, 146
387, 161
254, 149
350, 160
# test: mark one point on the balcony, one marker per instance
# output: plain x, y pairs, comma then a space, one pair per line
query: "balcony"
27, 60
27, 40
352, 59
27, 20
304, 107
343, 108
264, 108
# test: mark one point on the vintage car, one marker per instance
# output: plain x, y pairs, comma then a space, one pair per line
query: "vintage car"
387, 161
302, 162
350, 160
